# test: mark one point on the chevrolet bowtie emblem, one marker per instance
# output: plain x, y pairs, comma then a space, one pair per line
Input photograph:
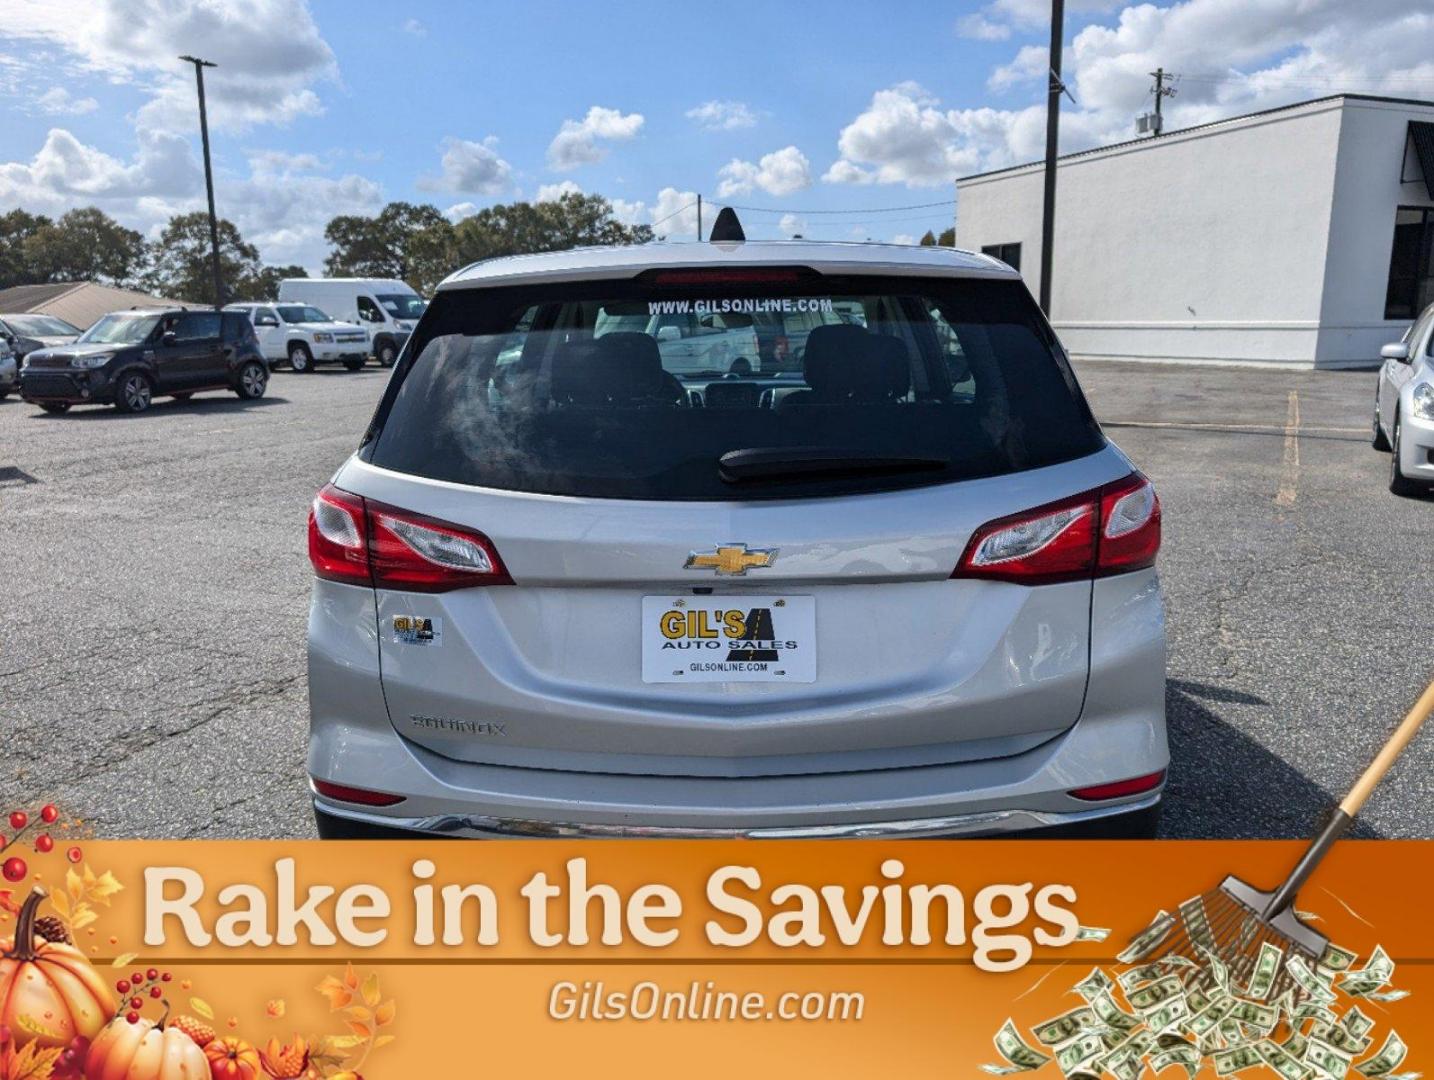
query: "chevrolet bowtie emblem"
731, 559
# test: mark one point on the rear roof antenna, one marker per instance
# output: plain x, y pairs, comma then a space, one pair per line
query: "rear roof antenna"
727, 229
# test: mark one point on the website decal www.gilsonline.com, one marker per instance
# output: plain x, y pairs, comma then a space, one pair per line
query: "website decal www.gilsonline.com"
698, 1001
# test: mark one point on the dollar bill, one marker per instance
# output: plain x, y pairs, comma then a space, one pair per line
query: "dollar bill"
1079, 1052
1092, 933
1067, 1026
1112, 1015
1335, 958
1021, 1057
1144, 973
1340, 1037
1267, 966
1197, 998
1257, 1015
1094, 984
1313, 1010
1295, 1044
1236, 1059
1186, 1056
1308, 981
1387, 995
1151, 996
1282, 1061
1375, 974
1197, 923
1208, 1019
1149, 939
1168, 1015
1329, 1060
1391, 1055
1217, 969
1355, 1022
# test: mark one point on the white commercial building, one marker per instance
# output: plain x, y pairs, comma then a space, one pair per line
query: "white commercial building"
1301, 235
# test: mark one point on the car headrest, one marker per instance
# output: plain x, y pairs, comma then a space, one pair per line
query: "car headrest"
834, 357
614, 367
892, 375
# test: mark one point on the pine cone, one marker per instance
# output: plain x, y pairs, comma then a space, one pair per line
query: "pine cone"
52, 929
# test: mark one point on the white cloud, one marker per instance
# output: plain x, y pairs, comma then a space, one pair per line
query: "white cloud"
470, 168
778, 173
629, 213
554, 192
58, 102
576, 142
674, 214
979, 28
792, 225
415, 28
269, 54
904, 238
458, 211
1239, 57
723, 115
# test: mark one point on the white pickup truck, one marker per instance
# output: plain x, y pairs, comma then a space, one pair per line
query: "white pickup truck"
303, 336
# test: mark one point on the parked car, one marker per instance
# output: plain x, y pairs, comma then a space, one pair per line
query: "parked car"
128, 358
387, 308
304, 336
26, 332
913, 594
1404, 407
9, 369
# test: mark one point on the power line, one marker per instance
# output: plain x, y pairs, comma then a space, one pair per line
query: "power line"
679, 210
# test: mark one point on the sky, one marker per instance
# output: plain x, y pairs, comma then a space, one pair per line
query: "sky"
840, 120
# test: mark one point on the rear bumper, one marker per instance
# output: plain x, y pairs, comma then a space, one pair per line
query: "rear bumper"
1133, 819
1120, 735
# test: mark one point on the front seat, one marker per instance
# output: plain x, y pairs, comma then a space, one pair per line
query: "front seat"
832, 366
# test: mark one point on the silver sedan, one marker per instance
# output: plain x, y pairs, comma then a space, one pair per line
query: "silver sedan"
1404, 408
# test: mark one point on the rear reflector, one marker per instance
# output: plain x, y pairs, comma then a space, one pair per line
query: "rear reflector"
362, 542
1110, 530
344, 793
1120, 788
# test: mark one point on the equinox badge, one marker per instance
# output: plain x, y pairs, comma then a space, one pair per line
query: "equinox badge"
734, 559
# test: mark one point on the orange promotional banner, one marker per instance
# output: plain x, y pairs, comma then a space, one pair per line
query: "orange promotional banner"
287, 960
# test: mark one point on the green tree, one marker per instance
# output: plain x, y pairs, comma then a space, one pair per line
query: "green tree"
412, 243
179, 263
266, 286
575, 220
16, 228
84, 245
947, 237
928, 239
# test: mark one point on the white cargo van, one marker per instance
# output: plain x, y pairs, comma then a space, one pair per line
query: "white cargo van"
388, 308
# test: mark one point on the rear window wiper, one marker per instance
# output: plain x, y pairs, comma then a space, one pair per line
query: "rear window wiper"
777, 462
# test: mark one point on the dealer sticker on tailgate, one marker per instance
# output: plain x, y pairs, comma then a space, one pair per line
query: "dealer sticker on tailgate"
729, 639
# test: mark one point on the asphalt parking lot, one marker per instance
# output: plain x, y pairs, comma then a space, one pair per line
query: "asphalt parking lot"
156, 583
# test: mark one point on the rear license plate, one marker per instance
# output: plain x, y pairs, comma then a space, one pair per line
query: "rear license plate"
729, 639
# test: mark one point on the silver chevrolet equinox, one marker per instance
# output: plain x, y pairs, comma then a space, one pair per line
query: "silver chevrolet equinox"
736, 540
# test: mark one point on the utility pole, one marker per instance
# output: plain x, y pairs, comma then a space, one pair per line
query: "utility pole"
699, 219
1160, 91
1053, 122
199, 66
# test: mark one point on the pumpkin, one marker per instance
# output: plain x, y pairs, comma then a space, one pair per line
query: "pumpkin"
144, 1050
49, 993
233, 1059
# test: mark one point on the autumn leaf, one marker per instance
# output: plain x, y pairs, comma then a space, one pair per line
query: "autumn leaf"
385, 1013
371, 994
351, 979
33, 1063
61, 903
74, 885
363, 1031
337, 993
202, 1007
333, 1046
123, 960
359, 1013
276, 1008
7, 902
84, 915
383, 1040
103, 888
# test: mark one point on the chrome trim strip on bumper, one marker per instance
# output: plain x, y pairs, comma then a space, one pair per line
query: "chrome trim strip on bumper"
991, 823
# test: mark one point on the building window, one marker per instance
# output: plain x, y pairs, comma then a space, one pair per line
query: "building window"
1010, 254
1411, 263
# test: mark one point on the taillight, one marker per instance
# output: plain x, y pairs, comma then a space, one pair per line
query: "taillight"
1120, 788
362, 796
1111, 530
338, 537
361, 542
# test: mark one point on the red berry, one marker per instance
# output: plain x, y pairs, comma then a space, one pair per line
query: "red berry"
44, 844
155, 992
152, 974
136, 1003
137, 978
122, 986
49, 814
132, 1017
166, 977
19, 819
74, 854
14, 869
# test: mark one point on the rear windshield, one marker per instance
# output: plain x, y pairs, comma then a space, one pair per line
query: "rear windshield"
779, 386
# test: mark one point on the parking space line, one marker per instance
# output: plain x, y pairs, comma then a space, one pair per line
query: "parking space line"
1290, 466
1275, 428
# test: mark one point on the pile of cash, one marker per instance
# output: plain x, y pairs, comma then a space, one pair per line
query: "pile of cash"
1300, 1019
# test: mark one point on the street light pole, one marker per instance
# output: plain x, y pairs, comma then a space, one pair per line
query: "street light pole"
199, 66
1053, 121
